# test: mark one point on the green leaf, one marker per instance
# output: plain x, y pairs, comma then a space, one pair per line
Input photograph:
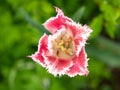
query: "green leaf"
105, 50
96, 25
11, 79
108, 12
78, 14
110, 29
110, 17
118, 20
116, 2
35, 24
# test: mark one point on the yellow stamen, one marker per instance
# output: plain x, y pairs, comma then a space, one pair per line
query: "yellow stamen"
61, 43
62, 48
68, 51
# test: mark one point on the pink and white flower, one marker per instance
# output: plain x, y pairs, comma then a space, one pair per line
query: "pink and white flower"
63, 52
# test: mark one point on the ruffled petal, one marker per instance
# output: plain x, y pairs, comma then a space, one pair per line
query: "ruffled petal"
81, 38
42, 47
79, 65
80, 34
57, 66
56, 23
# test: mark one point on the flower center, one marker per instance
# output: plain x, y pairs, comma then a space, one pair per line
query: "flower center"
62, 45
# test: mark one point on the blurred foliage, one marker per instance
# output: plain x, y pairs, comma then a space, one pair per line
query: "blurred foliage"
20, 30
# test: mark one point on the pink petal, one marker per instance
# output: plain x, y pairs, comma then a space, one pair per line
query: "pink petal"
38, 56
79, 65
80, 34
55, 23
57, 66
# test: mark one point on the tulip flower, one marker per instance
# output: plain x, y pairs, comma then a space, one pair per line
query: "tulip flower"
63, 52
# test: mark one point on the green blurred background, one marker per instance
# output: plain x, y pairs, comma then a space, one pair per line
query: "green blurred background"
20, 31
